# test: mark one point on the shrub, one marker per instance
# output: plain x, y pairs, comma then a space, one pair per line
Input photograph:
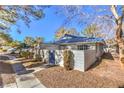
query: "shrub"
31, 55
68, 59
25, 54
4, 50
38, 57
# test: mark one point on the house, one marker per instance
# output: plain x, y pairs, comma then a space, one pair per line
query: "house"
86, 50
81, 43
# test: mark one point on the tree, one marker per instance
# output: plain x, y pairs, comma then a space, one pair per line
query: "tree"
39, 40
111, 42
29, 41
94, 30
62, 31
5, 38
119, 33
72, 31
14, 43
38, 55
91, 31
10, 15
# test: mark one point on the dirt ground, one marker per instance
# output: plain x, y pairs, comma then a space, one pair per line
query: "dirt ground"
106, 73
6, 74
30, 63
0, 80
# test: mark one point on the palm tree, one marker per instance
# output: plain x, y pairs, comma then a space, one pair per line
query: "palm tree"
29, 41
39, 40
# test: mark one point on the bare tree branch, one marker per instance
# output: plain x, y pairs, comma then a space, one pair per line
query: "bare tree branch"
113, 9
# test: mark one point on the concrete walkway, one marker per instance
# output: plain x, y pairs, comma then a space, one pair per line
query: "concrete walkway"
24, 78
28, 81
12, 85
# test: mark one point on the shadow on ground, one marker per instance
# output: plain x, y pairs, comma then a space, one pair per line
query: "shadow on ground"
6, 74
6, 68
25, 72
105, 56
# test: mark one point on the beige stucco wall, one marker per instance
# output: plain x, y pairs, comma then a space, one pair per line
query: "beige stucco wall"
82, 59
99, 51
79, 60
89, 58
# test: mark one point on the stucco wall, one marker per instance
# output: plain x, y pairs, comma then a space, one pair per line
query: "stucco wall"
89, 58
99, 51
82, 59
59, 57
79, 60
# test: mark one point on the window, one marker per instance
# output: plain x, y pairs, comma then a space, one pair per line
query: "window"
83, 47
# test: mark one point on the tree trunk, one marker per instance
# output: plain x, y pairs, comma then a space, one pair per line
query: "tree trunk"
117, 49
119, 32
119, 39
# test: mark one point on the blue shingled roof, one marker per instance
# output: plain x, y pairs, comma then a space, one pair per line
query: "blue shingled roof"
73, 39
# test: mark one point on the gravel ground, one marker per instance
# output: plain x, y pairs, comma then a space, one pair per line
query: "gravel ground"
104, 74
6, 74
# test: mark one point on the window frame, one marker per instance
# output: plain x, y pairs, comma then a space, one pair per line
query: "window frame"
82, 47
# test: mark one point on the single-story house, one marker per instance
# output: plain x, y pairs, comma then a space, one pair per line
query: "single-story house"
86, 50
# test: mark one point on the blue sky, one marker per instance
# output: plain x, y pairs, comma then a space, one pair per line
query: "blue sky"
45, 27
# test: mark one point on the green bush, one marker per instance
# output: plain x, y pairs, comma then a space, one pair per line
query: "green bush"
68, 59
4, 50
25, 54
38, 57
